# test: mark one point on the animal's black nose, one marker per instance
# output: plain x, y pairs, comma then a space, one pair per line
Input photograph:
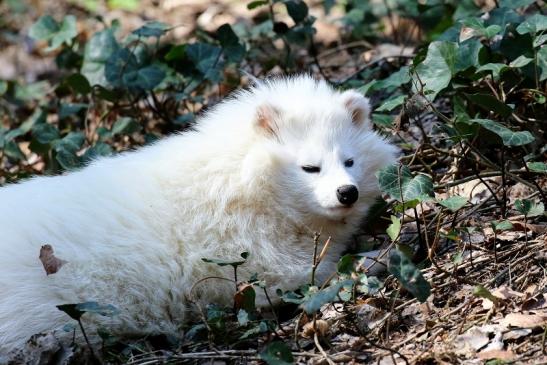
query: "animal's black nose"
347, 194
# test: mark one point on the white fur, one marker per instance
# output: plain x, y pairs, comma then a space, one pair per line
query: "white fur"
135, 227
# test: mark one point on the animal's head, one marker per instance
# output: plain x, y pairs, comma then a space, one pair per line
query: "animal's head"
324, 151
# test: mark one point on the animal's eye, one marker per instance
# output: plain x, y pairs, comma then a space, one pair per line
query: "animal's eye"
311, 169
349, 162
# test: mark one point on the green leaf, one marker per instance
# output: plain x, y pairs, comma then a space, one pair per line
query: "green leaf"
67, 110
125, 125
75, 311
542, 63
229, 41
437, 69
382, 120
514, 4
394, 228
78, 83
369, 285
297, 9
499, 226
45, 133
454, 203
537, 167
72, 142
392, 103
480, 29
232, 263
255, 4
47, 28
495, 68
277, 353
345, 264
408, 275
520, 61
490, 103
176, 52
12, 150
206, 59
67, 31
398, 182
481, 292
529, 208
44, 28
100, 149
468, 54
534, 24
152, 29
327, 295
97, 51
508, 137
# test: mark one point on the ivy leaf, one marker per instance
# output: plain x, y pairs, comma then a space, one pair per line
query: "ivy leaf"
499, 226
454, 203
394, 228
398, 182
277, 353
437, 69
45, 133
125, 125
408, 275
257, 3
508, 137
97, 51
152, 29
75, 311
229, 41
44, 28
392, 103
534, 24
481, 292
297, 9
233, 263
537, 167
327, 295
490, 103
78, 83
495, 68
514, 4
67, 31
47, 28
206, 59
529, 208
542, 63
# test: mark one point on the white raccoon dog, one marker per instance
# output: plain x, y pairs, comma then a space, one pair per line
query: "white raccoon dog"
260, 172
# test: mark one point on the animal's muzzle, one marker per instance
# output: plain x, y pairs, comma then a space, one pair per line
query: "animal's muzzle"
347, 194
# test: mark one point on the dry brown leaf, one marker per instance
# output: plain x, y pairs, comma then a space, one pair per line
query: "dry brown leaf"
239, 296
51, 263
506, 355
321, 326
524, 320
536, 228
472, 340
538, 301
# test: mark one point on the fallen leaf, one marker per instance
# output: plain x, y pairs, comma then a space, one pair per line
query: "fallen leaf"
516, 333
538, 301
506, 355
321, 326
51, 263
524, 320
472, 340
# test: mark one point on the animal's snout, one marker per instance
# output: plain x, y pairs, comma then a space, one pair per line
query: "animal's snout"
347, 194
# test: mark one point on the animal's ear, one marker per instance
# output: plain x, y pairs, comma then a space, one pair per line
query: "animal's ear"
266, 120
358, 106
